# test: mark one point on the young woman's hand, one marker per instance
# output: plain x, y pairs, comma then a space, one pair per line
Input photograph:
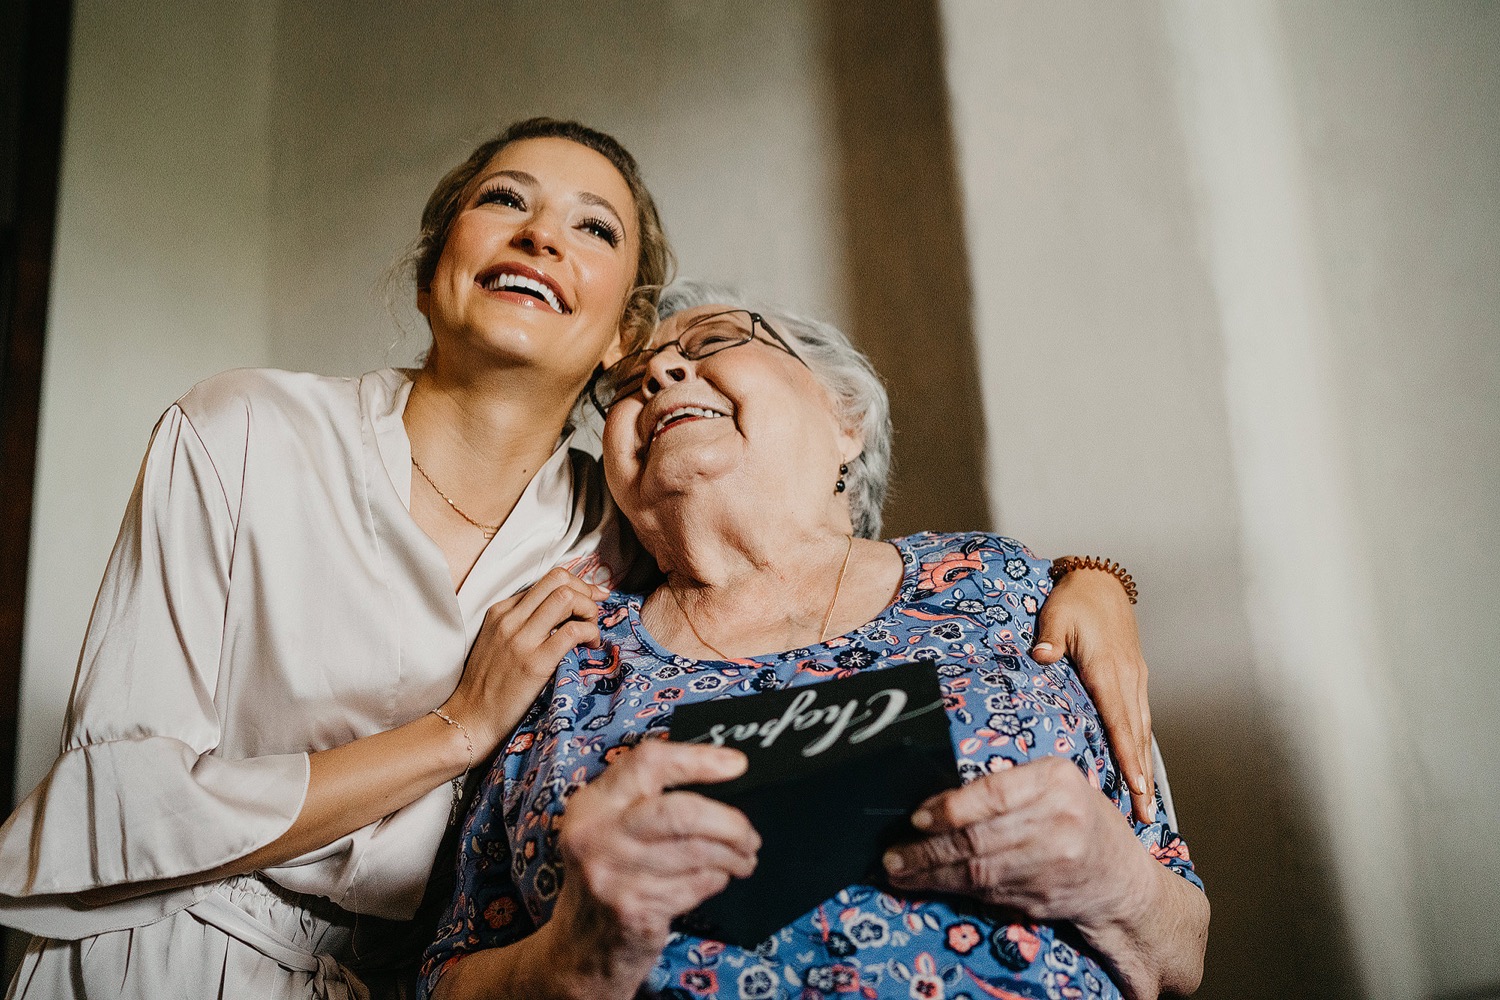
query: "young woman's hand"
637, 855
1088, 617
516, 653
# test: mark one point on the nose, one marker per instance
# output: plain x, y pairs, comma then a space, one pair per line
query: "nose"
666, 367
538, 237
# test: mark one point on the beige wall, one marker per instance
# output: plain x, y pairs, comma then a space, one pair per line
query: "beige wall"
1109, 431
1399, 111
1236, 296
159, 280
725, 105
1208, 288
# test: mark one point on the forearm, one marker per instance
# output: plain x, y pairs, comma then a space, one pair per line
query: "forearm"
356, 784
554, 963
1155, 945
353, 785
348, 787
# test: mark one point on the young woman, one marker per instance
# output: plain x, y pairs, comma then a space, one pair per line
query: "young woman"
332, 597
251, 756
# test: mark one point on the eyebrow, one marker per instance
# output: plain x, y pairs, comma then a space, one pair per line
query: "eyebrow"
587, 197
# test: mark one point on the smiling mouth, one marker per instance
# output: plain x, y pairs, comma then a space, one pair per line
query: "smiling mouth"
683, 414
507, 281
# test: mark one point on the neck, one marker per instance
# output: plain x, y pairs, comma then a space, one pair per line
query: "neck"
742, 582
753, 539
483, 434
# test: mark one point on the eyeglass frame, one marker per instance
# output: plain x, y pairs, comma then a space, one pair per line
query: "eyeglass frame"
647, 353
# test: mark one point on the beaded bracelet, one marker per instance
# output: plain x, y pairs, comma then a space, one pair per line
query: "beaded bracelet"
458, 782
1066, 564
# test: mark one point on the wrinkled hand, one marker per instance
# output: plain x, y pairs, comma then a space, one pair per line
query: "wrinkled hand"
1036, 838
636, 856
1089, 618
516, 653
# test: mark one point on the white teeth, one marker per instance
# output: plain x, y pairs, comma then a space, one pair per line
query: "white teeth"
679, 413
503, 281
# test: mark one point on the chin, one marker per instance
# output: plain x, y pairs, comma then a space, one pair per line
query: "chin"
685, 473
521, 349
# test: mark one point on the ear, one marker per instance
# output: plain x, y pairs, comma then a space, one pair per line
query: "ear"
616, 350
851, 444
424, 302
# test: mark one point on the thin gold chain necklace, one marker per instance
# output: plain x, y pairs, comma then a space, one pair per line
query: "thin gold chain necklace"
488, 529
822, 630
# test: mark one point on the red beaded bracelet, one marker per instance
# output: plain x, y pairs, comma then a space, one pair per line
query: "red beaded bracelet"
1065, 564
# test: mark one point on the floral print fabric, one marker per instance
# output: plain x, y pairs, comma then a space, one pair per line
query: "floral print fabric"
967, 603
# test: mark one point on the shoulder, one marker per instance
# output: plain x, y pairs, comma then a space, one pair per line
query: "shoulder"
618, 614
273, 414
229, 410
936, 562
228, 396
981, 576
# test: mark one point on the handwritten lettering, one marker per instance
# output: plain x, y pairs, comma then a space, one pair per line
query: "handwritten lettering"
896, 701
859, 721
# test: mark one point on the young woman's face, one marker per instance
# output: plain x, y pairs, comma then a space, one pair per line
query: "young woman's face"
539, 263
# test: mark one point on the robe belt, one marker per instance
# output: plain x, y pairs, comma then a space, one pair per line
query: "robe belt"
331, 981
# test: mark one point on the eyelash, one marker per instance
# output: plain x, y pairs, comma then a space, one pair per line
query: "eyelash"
610, 232
602, 228
495, 194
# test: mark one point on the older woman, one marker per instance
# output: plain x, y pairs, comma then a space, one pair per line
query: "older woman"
750, 455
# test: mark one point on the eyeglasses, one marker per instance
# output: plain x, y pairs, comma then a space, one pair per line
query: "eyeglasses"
703, 337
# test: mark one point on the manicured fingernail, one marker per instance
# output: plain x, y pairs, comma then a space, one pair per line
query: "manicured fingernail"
1042, 647
893, 862
921, 819
1137, 783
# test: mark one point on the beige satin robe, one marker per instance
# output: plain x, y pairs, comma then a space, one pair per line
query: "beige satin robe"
269, 595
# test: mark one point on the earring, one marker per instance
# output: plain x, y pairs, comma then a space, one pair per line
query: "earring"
840, 486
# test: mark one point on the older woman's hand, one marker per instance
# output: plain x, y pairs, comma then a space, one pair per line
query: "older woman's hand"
1036, 837
636, 855
1089, 618
1040, 840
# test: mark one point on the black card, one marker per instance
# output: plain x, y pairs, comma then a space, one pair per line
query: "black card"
835, 770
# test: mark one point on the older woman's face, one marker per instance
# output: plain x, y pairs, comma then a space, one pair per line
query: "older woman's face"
752, 419
539, 261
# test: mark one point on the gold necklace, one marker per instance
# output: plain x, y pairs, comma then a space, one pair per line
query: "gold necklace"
822, 630
488, 529
837, 586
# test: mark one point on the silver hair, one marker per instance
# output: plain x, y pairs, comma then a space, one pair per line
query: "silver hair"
847, 374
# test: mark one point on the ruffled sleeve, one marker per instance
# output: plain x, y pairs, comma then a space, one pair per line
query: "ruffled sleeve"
139, 793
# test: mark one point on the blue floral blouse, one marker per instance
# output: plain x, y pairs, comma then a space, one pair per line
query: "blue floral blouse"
967, 602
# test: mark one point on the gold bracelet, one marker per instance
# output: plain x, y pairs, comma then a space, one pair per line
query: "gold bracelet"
1066, 564
458, 782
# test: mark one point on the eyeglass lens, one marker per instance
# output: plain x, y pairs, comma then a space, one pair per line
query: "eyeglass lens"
702, 337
